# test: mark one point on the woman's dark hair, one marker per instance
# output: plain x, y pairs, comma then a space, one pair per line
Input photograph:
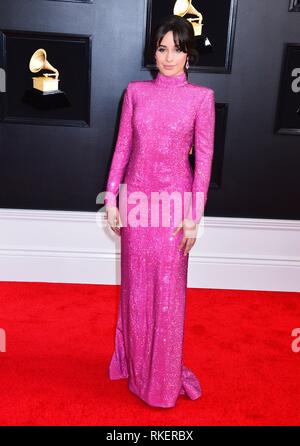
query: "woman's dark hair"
183, 33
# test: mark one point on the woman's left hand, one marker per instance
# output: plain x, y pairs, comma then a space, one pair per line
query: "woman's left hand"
190, 229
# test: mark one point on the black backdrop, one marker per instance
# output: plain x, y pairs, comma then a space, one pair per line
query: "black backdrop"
64, 168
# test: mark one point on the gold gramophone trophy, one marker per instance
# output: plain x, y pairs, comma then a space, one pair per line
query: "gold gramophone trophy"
183, 7
44, 93
39, 62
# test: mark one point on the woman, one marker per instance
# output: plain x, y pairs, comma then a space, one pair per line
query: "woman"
160, 121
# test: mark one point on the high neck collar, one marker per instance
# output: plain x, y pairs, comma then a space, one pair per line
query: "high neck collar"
177, 80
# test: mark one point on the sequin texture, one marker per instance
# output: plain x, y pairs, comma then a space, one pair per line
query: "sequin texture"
160, 121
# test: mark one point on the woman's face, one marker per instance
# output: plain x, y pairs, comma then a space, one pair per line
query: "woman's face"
170, 60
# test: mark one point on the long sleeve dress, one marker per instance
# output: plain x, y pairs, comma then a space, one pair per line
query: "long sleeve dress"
160, 120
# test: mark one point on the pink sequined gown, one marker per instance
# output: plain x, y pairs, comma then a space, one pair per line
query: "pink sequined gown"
161, 119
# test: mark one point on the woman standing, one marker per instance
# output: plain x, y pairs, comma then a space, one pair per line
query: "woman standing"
160, 121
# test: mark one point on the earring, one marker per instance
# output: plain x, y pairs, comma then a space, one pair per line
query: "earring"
187, 65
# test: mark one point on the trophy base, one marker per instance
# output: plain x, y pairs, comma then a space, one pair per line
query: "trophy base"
46, 100
204, 44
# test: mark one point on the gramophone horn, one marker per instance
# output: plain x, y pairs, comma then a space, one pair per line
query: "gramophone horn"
183, 7
39, 61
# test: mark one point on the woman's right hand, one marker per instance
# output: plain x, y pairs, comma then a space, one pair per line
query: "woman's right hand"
113, 218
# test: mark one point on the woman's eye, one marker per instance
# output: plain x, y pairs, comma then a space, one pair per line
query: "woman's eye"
163, 49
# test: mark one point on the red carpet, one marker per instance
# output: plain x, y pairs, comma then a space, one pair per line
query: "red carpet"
59, 340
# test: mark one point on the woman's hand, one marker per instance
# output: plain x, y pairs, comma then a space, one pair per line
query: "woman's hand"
190, 229
113, 218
